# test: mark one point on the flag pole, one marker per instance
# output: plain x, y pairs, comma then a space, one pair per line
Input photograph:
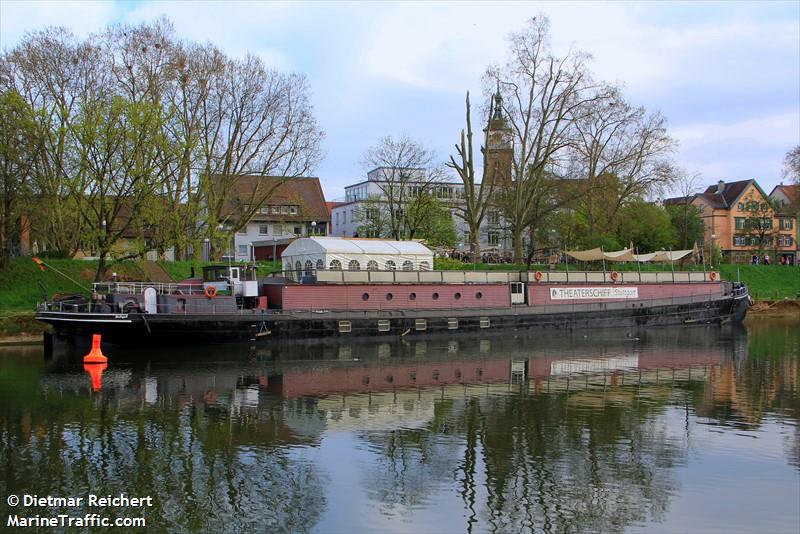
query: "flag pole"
42, 263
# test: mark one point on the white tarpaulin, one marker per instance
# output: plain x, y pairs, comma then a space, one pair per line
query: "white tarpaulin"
344, 254
627, 254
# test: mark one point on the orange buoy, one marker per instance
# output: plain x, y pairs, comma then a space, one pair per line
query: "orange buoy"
95, 371
537, 275
614, 276
211, 292
713, 276
95, 355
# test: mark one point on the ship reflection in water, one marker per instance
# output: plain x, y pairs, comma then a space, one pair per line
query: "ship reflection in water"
680, 430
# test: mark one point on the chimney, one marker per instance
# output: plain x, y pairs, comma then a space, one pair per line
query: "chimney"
720, 187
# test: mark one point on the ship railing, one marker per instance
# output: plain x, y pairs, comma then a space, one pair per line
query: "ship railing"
133, 288
494, 277
188, 308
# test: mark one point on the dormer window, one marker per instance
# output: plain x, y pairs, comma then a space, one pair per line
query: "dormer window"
292, 210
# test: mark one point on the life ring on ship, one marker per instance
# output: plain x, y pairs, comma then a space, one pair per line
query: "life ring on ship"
614, 276
537, 275
210, 292
713, 276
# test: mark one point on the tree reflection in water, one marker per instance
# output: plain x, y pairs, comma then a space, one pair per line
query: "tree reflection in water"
565, 434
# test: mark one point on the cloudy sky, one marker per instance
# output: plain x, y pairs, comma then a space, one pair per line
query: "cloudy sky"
725, 74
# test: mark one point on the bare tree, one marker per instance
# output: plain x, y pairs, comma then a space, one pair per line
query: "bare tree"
254, 121
791, 165
404, 172
542, 95
621, 152
477, 197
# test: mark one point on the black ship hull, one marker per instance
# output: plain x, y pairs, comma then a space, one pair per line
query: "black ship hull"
257, 326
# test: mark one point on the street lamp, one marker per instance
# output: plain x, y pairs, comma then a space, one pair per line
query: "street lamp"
313, 227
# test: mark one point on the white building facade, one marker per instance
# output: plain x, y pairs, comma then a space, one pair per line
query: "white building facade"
347, 219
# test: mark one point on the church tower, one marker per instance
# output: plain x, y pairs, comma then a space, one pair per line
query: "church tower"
498, 151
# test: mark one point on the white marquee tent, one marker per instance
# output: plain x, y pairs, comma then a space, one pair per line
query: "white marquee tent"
309, 254
627, 254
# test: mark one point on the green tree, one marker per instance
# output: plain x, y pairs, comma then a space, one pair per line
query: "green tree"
647, 225
437, 227
687, 224
118, 145
17, 162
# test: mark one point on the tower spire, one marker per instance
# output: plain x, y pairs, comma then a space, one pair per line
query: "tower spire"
498, 104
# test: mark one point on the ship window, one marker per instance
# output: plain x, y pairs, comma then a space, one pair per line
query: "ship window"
412, 296
421, 324
389, 296
457, 296
452, 323
365, 296
345, 327
435, 296
383, 325
479, 295
484, 322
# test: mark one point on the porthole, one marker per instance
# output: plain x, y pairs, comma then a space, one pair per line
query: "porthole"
365, 296
479, 295
457, 296
435, 296
389, 296
412, 296
389, 379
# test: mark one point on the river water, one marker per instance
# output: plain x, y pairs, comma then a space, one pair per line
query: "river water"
689, 430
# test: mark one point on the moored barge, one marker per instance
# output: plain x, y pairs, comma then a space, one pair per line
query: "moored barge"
231, 303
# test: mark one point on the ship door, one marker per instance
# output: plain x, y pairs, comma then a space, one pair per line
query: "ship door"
235, 281
150, 300
517, 293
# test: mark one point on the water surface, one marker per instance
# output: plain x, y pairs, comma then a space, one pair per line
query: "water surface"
674, 430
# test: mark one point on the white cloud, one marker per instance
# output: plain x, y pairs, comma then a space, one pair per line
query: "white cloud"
776, 130
83, 18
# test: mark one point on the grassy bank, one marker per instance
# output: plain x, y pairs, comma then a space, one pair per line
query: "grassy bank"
19, 283
181, 270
